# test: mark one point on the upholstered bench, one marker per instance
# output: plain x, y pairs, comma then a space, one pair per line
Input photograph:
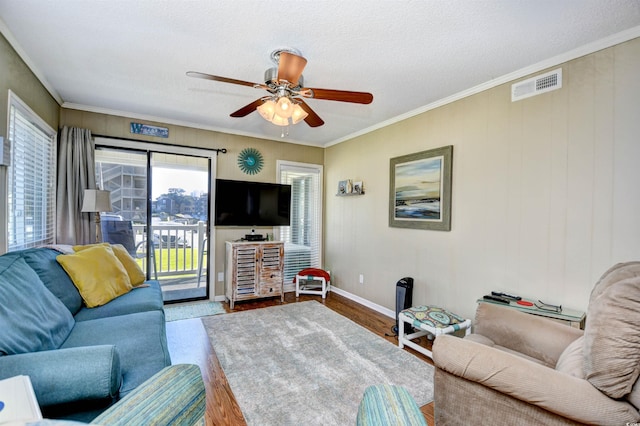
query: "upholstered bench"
389, 405
430, 321
312, 281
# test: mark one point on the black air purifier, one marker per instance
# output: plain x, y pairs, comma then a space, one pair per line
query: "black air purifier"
404, 298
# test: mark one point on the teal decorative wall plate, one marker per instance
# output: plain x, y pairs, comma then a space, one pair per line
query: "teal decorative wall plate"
250, 161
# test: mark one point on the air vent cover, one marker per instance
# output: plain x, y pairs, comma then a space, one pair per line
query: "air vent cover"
536, 85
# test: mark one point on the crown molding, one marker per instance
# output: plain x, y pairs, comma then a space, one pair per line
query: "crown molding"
27, 60
164, 120
587, 49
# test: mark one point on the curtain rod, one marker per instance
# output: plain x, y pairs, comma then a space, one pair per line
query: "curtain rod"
217, 150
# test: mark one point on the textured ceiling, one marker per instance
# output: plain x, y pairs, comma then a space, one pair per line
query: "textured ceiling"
130, 57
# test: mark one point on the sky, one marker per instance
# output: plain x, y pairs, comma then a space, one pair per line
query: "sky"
189, 180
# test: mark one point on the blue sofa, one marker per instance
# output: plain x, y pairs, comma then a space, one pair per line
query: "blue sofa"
80, 360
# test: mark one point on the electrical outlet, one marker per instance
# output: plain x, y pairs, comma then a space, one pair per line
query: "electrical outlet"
361, 278
220, 277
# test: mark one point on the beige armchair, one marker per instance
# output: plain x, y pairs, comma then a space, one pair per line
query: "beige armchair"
521, 369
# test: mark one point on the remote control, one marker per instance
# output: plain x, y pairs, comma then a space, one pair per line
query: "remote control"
498, 299
506, 295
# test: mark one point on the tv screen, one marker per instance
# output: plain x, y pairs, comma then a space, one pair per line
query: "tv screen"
241, 203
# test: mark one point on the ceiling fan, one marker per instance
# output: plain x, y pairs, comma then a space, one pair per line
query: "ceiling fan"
285, 105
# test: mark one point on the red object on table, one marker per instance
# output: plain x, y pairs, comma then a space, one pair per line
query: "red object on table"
524, 303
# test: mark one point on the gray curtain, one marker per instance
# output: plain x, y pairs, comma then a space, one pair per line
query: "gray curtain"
76, 172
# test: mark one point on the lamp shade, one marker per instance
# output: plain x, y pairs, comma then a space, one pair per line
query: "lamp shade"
96, 200
284, 107
267, 109
280, 121
299, 114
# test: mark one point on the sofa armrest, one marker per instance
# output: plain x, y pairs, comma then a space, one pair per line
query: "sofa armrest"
527, 381
174, 396
67, 375
535, 336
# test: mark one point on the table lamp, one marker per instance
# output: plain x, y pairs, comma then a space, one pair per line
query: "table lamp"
96, 201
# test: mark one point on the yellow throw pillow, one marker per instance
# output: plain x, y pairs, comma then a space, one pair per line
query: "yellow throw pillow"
134, 271
86, 246
97, 273
136, 275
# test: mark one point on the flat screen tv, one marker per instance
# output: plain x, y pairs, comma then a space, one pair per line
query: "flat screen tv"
240, 203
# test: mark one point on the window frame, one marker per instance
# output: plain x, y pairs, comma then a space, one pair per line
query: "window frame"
17, 104
283, 165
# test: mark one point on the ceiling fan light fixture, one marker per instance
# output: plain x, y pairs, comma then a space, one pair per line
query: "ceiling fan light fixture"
284, 107
299, 114
280, 121
267, 110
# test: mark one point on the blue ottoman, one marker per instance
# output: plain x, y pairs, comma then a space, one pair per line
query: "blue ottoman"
384, 405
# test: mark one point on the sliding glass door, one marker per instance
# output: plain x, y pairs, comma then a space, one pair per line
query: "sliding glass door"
160, 205
179, 224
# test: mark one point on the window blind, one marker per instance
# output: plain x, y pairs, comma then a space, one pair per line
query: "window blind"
303, 238
31, 180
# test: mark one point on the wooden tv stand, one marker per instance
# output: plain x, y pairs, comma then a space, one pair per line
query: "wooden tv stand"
253, 270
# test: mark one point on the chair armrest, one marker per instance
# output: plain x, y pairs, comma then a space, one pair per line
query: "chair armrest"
535, 336
530, 382
68, 375
174, 396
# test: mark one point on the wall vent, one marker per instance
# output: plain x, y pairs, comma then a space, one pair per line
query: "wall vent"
537, 85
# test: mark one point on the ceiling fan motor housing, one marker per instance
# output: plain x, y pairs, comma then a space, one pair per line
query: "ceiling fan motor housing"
271, 79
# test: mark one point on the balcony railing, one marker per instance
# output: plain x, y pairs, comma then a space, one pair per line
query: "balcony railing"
179, 250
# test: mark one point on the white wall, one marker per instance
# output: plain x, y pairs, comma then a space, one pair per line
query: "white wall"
545, 193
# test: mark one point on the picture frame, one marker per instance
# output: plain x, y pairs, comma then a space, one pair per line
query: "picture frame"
342, 187
420, 190
357, 187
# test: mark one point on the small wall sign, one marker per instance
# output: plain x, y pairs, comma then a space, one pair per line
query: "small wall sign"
148, 130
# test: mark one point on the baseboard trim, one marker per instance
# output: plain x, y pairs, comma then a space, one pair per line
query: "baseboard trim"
365, 302
369, 304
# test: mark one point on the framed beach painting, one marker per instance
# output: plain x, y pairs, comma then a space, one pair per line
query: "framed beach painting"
420, 190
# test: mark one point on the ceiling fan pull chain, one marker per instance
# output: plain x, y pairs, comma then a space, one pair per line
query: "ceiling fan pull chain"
285, 132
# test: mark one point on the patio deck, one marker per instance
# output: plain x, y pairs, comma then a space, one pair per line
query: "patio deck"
176, 289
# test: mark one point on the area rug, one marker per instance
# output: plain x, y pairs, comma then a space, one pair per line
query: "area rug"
304, 364
192, 310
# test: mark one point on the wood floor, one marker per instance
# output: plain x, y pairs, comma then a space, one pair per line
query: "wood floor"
188, 343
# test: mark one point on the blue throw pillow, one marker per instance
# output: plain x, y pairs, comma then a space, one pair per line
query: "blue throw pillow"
31, 318
43, 261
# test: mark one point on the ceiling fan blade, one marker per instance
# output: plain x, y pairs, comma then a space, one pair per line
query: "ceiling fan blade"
224, 79
313, 119
248, 109
290, 67
337, 95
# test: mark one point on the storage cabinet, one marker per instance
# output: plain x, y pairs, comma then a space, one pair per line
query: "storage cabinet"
254, 270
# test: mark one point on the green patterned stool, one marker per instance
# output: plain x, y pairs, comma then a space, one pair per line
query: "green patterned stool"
429, 320
384, 405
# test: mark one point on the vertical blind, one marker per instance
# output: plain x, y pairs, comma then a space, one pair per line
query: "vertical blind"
31, 193
303, 238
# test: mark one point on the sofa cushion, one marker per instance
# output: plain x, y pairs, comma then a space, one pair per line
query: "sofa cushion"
612, 332
571, 361
140, 299
31, 318
140, 340
53, 276
97, 273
